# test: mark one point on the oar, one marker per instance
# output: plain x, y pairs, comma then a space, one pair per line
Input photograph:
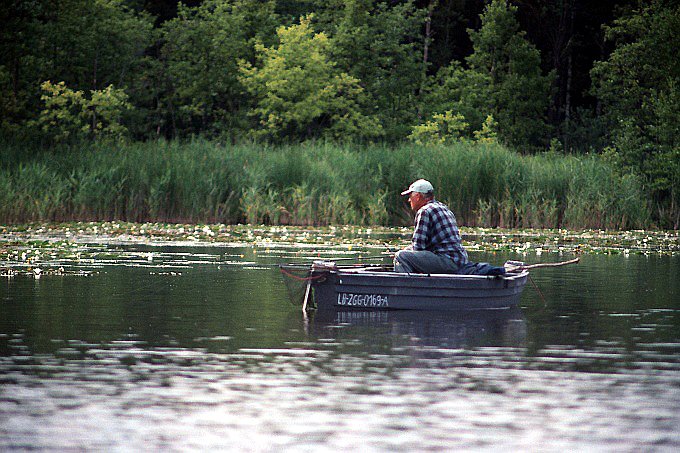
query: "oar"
524, 267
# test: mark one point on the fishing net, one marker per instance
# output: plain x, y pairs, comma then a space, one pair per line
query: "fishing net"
296, 277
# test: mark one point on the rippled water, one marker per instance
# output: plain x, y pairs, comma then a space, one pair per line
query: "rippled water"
178, 348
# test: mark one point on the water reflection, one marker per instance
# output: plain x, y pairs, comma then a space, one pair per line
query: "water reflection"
213, 357
452, 329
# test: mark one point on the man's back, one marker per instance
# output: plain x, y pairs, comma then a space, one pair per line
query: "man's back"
436, 231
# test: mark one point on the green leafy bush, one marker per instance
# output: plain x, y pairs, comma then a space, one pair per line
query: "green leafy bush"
299, 92
70, 115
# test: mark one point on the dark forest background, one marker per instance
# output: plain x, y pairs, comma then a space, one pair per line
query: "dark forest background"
569, 76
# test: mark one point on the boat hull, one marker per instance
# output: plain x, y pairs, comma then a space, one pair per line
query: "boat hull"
373, 290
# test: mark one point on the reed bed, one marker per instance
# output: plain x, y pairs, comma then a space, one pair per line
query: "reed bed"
311, 184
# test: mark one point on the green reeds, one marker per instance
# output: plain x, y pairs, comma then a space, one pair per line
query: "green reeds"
312, 184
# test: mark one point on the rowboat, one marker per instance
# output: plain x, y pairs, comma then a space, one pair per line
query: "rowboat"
332, 287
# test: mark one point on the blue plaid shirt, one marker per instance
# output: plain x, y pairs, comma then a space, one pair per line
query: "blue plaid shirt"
436, 231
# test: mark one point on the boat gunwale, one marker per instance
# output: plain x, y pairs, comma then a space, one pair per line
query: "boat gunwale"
392, 274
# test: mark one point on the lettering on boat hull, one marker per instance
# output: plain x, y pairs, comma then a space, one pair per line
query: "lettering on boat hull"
362, 300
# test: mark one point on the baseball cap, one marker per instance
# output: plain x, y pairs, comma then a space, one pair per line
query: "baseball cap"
421, 186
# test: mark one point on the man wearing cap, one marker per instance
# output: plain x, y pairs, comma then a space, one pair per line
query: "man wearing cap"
436, 246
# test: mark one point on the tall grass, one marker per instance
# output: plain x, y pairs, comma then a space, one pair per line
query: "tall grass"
311, 184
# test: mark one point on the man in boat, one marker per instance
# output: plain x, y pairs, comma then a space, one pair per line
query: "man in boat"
436, 246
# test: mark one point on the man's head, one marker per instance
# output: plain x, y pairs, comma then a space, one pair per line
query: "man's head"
419, 193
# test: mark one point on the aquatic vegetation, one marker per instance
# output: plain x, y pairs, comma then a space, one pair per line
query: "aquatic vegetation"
68, 248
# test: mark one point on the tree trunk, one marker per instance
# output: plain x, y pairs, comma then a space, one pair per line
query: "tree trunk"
93, 126
570, 74
428, 33
426, 49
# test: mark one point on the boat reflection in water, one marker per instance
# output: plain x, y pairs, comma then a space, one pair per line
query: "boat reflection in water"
451, 329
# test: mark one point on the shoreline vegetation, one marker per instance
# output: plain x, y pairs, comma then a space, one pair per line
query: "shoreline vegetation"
313, 184
523, 115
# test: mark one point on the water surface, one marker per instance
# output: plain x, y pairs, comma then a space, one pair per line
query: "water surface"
179, 348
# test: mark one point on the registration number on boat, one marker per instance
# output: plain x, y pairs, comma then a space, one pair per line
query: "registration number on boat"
362, 300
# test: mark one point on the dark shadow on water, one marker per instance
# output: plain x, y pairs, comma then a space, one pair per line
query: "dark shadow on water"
450, 329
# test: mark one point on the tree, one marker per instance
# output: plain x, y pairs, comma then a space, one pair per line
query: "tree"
519, 92
638, 88
381, 46
443, 129
503, 79
92, 44
300, 94
487, 134
18, 69
449, 21
200, 51
87, 44
459, 90
70, 115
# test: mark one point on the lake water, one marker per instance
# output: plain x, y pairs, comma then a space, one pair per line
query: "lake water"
179, 348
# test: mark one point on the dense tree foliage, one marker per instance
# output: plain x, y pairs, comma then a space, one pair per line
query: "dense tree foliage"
87, 44
576, 75
200, 52
382, 47
299, 92
639, 89
503, 79
70, 114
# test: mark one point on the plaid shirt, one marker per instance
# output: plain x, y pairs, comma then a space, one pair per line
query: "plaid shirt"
436, 231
